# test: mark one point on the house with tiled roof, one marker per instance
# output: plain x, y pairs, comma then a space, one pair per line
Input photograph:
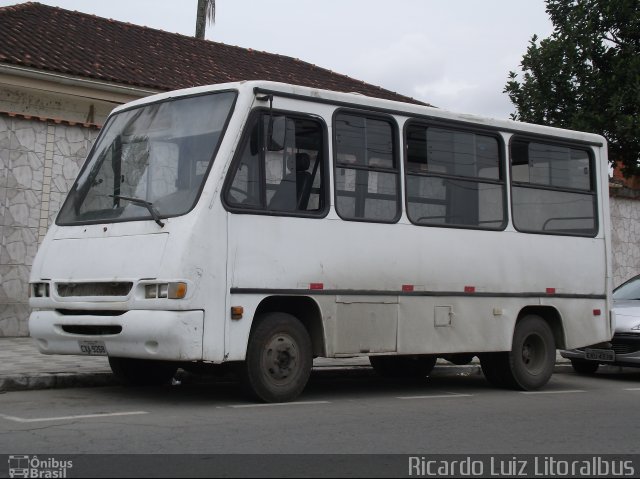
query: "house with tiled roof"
110, 61
61, 73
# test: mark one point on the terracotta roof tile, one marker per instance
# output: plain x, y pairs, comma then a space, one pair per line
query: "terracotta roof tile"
53, 39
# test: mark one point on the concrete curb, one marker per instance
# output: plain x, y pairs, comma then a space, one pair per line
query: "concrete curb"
28, 382
24, 382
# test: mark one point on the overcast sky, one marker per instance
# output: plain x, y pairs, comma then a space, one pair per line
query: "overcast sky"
454, 54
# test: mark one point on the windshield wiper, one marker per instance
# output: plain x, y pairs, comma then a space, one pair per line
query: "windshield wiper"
148, 205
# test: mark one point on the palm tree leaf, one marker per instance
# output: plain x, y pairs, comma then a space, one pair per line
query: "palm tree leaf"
211, 11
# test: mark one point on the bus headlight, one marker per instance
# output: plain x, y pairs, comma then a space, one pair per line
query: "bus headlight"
176, 290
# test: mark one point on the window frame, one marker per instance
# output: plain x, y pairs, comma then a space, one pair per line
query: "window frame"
462, 128
593, 190
254, 115
395, 155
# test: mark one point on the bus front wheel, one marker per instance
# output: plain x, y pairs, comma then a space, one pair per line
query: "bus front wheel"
279, 358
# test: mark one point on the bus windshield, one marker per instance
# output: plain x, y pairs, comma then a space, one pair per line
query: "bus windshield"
149, 162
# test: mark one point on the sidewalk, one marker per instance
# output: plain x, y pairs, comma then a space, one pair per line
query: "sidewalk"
23, 367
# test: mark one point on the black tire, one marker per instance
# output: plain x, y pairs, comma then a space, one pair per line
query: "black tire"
584, 367
142, 372
416, 366
529, 364
279, 359
532, 356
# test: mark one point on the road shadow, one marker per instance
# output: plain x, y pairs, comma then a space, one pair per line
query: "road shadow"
327, 384
323, 385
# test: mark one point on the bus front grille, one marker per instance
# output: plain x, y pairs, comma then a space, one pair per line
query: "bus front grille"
97, 330
67, 290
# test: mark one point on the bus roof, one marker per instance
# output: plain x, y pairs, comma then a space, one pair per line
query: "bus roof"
358, 100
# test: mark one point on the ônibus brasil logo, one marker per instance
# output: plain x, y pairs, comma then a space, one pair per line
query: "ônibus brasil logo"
32, 466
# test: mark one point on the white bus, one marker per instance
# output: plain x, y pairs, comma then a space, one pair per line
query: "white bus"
261, 225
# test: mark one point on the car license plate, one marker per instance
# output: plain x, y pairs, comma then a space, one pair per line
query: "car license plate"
93, 348
600, 354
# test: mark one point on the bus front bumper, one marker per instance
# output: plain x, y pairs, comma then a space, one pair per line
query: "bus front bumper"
144, 334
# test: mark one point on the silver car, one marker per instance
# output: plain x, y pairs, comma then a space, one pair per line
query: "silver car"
624, 347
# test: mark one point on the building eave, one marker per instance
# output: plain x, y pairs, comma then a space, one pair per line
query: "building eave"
72, 85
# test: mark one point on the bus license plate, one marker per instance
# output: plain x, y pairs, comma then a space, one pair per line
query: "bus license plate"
600, 354
93, 348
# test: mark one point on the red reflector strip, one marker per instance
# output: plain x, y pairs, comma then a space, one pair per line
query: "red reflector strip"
316, 286
469, 289
597, 312
551, 290
407, 288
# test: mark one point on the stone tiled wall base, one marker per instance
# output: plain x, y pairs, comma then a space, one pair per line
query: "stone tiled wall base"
38, 163
625, 238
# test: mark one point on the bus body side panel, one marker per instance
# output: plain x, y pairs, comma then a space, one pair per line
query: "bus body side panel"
213, 238
407, 289
605, 230
238, 331
468, 287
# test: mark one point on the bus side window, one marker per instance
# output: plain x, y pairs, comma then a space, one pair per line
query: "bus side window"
552, 188
454, 178
366, 168
287, 179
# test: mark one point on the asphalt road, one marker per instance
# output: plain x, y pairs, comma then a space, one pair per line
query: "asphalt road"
348, 412
339, 413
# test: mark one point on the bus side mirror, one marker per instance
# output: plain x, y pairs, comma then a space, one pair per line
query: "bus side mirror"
277, 133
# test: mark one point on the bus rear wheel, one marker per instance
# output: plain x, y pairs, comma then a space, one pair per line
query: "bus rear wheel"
415, 366
142, 372
530, 362
279, 358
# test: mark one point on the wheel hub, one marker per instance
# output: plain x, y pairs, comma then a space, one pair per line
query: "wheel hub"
533, 353
527, 353
281, 357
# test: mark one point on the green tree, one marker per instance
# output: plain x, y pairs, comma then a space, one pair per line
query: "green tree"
586, 75
206, 11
